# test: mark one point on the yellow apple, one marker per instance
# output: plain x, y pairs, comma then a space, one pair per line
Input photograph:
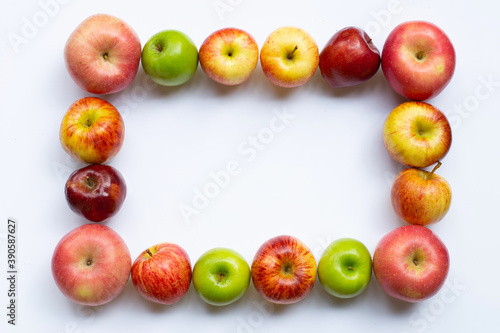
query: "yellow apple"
289, 57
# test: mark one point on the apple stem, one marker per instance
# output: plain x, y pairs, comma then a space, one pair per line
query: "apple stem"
420, 55
149, 252
293, 51
105, 56
90, 182
159, 48
429, 176
221, 277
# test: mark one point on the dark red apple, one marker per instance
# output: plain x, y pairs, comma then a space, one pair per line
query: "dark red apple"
349, 58
95, 192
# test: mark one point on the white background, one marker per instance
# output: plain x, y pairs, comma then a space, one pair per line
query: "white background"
325, 176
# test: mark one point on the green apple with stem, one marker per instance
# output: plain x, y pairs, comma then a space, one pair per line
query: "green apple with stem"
221, 276
170, 58
345, 268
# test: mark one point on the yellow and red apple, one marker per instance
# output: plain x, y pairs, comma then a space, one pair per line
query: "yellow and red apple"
92, 130
289, 57
229, 56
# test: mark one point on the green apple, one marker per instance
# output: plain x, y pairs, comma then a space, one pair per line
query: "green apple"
221, 276
170, 58
345, 268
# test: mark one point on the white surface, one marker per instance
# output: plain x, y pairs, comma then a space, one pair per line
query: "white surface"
325, 175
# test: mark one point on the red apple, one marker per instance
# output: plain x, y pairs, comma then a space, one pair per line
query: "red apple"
420, 197
349, 58
162, 273
91, 264
411, 263
92, 130
417, 134
95, 192
283, 270
102, 55
229, 56
418, 60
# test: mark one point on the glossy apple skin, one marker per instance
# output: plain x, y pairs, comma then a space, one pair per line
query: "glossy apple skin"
418, 60
283, 270
170, 58
411, 263
419, 197
95, 192
349, 58
91, 264
221, 276
92, 130
162, 273
102, 54
289, 57
345, 268
417, 134
229, 56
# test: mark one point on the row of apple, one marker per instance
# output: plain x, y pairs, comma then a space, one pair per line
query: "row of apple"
91, 265
103, 53
415, 134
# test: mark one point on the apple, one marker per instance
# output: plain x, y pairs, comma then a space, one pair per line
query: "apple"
349, 58
418, 60
229, 56
289, 57
283, 270
95, 192
91, 264
420, 197
102, 54
221, 276
411, 263
92, 130
417, 134
162, 273
345, 268
170, 58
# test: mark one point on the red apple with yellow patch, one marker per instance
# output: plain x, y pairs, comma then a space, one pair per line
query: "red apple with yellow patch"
102, 54
91, 264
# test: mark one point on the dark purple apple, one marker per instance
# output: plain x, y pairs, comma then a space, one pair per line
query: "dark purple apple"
95, 192
349, 58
